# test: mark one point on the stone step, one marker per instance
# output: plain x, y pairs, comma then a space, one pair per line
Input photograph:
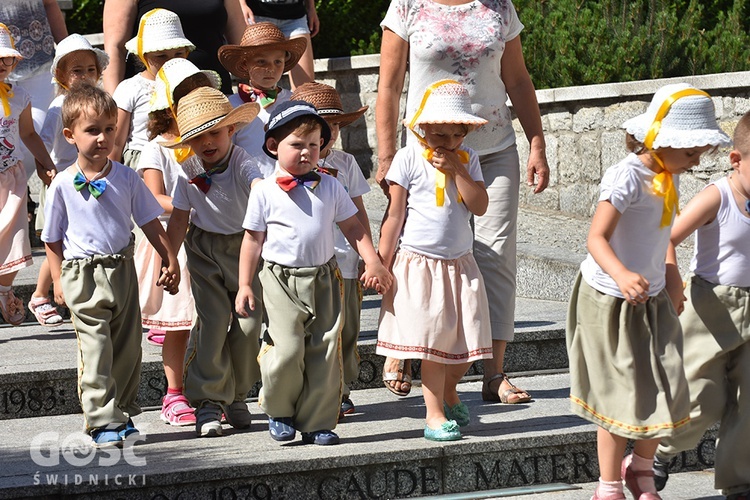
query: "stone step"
38, 364
382, 454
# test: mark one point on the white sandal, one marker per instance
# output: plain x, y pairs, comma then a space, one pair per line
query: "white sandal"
45, 312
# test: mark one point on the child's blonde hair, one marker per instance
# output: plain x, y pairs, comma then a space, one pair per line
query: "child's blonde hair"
85, 98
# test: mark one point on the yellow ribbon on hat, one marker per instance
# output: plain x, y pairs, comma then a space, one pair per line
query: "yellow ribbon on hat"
139, 36
181, 153
663, 184
6, 93
428, 153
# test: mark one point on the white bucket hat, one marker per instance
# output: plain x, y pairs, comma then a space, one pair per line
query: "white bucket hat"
173, 73
158, 29
679, 116
74, 43
446, 101
7, 47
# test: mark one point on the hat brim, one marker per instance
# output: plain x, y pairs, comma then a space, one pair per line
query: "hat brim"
102, 59
239, 117
343, 119
170, 44
232, 56
5, 52
674, 138
160, 101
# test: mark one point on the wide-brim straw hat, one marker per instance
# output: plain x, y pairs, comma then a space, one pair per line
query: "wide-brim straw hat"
259, 38
205, 109
158, 29
74, 43
328, 103
173, 73
689, 122
7, 47
446, 101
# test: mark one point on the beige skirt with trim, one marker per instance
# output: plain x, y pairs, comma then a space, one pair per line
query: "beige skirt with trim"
626, 370
15, 249
436, 310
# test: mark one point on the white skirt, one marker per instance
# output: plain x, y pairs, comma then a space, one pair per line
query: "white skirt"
15, 249
436, 310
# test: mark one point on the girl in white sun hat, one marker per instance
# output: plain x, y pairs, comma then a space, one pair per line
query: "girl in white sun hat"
624, 339
168, 317
436, 185
75, 61
16, 125
159, 39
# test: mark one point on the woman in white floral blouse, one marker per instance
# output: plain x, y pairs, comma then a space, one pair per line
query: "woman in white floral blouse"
477, 43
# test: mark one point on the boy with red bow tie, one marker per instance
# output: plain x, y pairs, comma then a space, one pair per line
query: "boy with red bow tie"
289, 222
264, 54
220, 365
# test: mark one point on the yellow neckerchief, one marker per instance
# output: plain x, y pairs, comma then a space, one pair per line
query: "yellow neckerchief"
428, 153
663, 184
6, 93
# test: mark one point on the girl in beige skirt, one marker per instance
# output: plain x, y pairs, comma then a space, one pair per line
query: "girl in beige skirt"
437, 309
624, 338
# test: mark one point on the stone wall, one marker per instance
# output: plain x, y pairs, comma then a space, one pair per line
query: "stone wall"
581, 127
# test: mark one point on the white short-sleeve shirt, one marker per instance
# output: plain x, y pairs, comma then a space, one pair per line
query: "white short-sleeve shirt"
638, 240
134, 96
90, 226
221, 209
299, 223
62, 153
10, 139
162, 159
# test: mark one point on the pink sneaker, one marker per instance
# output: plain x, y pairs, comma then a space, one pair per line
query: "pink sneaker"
631, 476
176, 410
156, 337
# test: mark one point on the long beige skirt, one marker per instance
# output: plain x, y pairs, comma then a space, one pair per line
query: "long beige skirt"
436, 310
626, 369
159, 309
15, 249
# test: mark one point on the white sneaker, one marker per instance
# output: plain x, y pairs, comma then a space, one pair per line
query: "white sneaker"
208, 420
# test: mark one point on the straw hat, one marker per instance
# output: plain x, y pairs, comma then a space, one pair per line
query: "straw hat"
205, 109
7, 47
74, 43
173, 73
689, 122
258, 38
158, 29
288, 111
328, 103
446, 101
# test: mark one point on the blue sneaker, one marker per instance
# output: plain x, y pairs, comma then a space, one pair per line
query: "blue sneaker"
128, 430
281, 429
105, 438
323, 438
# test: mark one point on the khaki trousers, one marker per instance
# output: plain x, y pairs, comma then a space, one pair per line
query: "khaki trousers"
350, 332
102, 295
221, 360
716, 326
300, 359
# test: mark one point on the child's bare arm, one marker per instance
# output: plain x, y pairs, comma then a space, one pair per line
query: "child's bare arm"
35, 144
170, 271
252, 243
633, 286
177, 227
121, 137
154, 180
392, 223
362, 214
54, 252
473, 192
375, 271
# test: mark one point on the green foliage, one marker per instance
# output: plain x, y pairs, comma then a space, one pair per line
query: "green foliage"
86, 16
349, 27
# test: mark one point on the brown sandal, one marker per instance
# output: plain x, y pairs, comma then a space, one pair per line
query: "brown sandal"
403, 375
11, 307
494, 396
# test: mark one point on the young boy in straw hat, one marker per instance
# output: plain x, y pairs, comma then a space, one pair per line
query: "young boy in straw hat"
714, 312
87, 233
169, 317
75, 61
16, 125
159, 39
220, 365
437, 309
289, 222
264, 54
345, 169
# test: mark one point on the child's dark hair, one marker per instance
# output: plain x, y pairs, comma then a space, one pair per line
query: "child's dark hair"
741, 137
84, 98
188, 85
62, 66
301, 125
634, 145
159, 122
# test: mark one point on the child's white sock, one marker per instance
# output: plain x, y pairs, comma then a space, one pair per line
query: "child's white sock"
638, 463
609, 489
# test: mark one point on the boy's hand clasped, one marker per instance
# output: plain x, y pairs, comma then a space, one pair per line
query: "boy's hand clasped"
169, 280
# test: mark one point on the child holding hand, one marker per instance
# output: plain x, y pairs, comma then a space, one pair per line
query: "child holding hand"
437, 310
624, 339
289, 223
159, 39
715, 321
